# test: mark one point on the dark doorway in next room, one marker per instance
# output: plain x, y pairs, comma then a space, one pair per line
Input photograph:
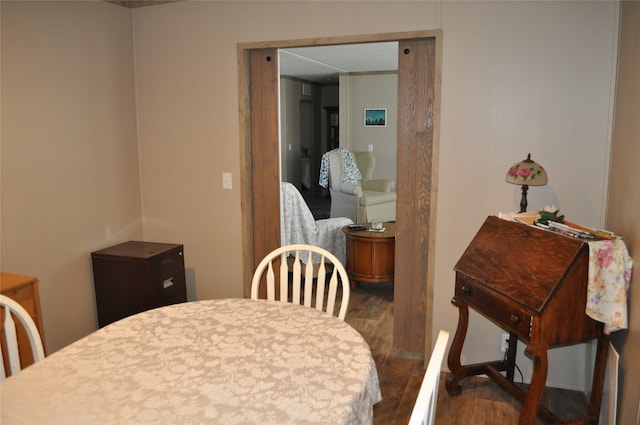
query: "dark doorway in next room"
320, 206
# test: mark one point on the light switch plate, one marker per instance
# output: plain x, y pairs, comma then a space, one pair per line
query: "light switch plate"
226, 181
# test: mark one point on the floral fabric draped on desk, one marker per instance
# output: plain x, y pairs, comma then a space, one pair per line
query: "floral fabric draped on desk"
223, 362
610, 269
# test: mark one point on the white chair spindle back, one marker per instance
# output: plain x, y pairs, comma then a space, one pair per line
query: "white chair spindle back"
310, 272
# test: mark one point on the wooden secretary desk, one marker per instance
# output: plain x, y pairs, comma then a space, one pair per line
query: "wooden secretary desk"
532, 283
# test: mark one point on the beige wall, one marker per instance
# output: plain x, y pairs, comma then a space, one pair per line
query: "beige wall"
69, 162
624, 197
517, 77
375, 90
187, 97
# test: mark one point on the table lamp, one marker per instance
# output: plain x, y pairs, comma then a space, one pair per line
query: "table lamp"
526, 173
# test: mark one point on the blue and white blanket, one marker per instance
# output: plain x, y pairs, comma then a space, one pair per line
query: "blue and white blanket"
350, 174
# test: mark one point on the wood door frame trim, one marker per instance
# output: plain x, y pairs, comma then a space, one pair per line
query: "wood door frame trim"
337, 40
243, 50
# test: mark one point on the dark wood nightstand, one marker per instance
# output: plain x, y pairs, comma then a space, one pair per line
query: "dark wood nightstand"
136, 276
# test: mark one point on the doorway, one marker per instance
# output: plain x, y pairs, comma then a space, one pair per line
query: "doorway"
308, 148
418, 125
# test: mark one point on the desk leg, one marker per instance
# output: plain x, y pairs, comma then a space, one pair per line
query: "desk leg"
529, 411
457, 371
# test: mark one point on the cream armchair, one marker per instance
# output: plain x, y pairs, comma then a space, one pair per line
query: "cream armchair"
371, 198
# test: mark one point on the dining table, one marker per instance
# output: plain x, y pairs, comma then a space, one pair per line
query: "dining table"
225, 361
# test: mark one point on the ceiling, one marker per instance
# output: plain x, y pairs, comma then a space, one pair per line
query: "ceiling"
323, 64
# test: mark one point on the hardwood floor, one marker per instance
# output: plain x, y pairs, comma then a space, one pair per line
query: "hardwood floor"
481, 402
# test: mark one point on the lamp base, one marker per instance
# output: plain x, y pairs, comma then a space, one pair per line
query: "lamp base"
523, 201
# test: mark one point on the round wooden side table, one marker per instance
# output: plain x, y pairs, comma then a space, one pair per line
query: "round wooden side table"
370, 255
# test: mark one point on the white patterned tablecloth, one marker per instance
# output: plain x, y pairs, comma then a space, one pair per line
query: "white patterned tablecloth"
232, 361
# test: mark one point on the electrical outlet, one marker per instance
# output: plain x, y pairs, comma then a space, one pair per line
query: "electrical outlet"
504, 343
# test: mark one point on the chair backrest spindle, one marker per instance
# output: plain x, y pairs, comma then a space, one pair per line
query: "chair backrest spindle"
308, 281
320, 288
310, 272
284, 278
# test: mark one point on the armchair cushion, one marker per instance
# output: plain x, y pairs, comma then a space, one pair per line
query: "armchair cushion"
378, 185
370, 197
351, 189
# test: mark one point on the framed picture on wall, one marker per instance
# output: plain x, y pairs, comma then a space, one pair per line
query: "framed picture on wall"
375, 117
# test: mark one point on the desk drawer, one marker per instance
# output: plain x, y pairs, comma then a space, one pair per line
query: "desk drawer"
505, 313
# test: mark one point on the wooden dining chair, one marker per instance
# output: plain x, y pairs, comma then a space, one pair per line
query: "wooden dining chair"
8, 310
312, 262
424, 410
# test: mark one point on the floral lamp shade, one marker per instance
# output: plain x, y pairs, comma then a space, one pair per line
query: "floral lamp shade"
526, 173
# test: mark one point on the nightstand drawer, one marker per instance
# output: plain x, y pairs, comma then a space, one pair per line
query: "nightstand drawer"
168, 284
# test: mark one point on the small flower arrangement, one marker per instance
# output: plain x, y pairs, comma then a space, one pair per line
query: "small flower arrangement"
550, 213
